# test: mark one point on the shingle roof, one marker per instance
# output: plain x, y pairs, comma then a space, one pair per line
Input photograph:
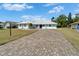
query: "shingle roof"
44, 22
75, 23
38, 22
77, 14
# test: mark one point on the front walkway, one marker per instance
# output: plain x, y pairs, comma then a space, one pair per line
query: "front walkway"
43, 42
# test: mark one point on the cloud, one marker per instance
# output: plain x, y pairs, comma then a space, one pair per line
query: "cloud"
56, 9
29, 7
49, 4
77, 10
32, 18
16, 7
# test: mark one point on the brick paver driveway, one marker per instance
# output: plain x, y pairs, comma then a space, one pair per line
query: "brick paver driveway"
41, 43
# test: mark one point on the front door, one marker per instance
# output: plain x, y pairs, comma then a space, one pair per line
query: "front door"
40, 26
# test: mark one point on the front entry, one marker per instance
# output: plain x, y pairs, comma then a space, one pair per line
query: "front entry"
40, 26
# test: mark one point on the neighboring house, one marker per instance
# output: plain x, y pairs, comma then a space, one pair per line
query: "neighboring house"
1, 25
6, 25
37, 25
13, 25
77, 15
75, 25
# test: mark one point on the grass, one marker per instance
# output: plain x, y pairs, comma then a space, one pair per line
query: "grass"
5, 35
72, 36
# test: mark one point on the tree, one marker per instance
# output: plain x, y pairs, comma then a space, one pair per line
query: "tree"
52, 19
62, 21
76, 19
30, 25
70, 20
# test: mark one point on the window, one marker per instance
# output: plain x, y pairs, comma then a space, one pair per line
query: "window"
24, 24
43, 25
49, 25
20, 24
36, 25
53, 25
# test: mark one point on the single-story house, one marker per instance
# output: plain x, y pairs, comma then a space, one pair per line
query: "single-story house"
37, 25
77, 15
75, 25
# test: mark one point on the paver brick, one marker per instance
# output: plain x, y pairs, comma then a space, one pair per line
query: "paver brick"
40, 43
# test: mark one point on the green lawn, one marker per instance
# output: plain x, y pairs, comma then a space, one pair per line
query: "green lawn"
5, 34
72, 36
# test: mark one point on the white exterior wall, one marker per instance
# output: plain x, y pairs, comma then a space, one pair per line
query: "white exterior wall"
74, 26
46, 26
23, 27
37, 26
49, 27
7, 25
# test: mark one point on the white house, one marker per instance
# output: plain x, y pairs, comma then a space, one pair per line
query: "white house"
75, 25
37, 25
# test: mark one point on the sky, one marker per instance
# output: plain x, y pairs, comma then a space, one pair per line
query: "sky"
35, 11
